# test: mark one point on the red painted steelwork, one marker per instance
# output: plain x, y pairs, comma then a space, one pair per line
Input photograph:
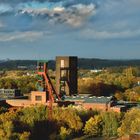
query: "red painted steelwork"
48, 86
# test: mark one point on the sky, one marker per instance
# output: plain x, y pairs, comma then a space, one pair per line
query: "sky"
43, 29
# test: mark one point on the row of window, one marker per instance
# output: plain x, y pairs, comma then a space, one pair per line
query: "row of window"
2, 92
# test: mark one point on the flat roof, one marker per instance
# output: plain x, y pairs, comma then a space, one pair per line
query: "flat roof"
86, 99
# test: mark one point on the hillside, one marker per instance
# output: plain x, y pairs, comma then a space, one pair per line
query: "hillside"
103, 63
83, 63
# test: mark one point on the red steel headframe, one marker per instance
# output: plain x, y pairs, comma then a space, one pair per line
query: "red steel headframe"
42, 71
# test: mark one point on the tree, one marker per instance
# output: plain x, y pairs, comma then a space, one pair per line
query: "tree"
30, 115
68, 117
119, 95
24, 136
130, 123
110, 123
93, 126
64, 133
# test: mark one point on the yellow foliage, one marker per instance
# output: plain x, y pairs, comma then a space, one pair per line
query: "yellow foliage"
93, 126
24, 136
131, 122
64, 133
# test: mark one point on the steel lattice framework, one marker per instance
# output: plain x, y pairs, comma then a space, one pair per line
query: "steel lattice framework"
46, 84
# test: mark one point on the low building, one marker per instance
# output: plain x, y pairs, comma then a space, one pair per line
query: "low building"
99, 103
37, 97
81, 101
9, 93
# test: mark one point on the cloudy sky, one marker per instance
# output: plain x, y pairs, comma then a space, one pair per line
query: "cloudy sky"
42, 29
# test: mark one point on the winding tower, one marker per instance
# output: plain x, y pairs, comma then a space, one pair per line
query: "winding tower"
66, 75
46, 92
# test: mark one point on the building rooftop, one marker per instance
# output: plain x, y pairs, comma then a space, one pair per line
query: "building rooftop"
86, 99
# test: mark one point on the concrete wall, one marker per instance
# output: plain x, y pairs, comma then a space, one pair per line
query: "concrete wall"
29, 102
41, 94
19, 102
71, 64
98, 106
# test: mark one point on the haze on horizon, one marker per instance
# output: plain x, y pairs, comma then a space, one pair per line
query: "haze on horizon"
39, 29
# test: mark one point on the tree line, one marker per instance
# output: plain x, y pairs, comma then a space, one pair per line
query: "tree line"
33, 123
83, 63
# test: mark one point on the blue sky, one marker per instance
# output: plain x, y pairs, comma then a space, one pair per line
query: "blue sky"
43, 29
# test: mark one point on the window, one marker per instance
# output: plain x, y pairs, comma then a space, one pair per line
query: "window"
63, 73
38, 98
62, 63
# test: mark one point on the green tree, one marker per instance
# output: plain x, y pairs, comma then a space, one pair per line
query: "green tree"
64, 133
24, 136
110, 123
130, 123
93, 126
30, 115
119, 95
68, 117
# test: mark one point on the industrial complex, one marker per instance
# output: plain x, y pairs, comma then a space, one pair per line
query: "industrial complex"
65, 91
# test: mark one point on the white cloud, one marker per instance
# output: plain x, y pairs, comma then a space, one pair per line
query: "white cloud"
41, 11
75, 15
25, 36
93, 34
80, 15
59, 9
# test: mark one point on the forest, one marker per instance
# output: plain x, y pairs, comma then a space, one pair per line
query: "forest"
33, 123
121, 82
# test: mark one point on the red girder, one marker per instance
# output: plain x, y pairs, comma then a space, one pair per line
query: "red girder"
42, 71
